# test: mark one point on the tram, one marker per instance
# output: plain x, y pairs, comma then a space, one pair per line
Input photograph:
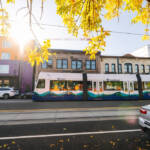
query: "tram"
73, 86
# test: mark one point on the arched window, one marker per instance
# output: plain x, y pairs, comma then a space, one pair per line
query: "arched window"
107, 68
136, 68
142, 68
113, 68
128, 68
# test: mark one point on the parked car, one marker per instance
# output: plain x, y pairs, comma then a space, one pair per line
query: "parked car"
27, 95
144, 118
7, 92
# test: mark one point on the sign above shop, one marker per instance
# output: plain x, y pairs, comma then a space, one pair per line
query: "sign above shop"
4, 68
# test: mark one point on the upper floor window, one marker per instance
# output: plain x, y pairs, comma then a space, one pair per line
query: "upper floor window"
148, 68
142, 68
120, 68
50, 62
113, 68
76, 64
91, 64
128, 68
44, 65
106, 68
62, 63
6, 44
5, 55
136, 68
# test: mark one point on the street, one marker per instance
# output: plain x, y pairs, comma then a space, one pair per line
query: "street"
97, 125
96, 135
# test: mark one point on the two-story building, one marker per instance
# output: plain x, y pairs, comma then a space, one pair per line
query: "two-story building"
127, 64
74, 61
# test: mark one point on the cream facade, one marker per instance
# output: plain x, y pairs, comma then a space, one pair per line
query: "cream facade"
124, 64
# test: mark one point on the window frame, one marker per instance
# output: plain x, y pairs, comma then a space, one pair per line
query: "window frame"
90, 63
113, 65
142, 68
76, 64
136, 68
62, 63
106, 64
127, 65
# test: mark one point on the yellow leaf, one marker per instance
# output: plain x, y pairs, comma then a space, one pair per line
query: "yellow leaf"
145, 37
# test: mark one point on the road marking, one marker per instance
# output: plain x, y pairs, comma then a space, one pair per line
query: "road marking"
68, 134
73, 109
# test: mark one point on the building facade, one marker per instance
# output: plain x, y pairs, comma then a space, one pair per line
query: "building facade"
69, 61
127, 64
14, 72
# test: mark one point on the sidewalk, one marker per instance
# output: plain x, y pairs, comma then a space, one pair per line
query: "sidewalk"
10, 117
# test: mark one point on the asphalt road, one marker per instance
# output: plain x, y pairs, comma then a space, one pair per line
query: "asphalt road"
96, 135
19, 104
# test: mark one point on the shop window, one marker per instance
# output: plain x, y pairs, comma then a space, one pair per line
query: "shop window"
6, 82
41, 84
146, 86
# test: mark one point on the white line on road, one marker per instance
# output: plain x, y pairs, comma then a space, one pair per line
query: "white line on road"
68, 134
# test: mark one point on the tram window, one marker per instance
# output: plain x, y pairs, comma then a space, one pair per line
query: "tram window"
89, 85
0, 83
94, 86
75, 85
135, 86
56, 85
41, 84
100, 87
146, 86
113, 85
131, 86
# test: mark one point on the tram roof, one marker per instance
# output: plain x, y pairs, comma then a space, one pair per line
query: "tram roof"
60, 76
91, 77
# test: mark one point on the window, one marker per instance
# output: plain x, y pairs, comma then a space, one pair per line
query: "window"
113, 68
62, 63
50, 62
148, 67
56, 85
113, 85
142, 68
106, 68
5, 56
91, 64
0, 83
128, 68
44, 65
120, 68
41, 84
76, 64
6, 44
136, 68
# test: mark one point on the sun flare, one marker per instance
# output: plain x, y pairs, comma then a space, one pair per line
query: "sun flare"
20, 33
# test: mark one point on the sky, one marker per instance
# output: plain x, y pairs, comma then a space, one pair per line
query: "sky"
117, 44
